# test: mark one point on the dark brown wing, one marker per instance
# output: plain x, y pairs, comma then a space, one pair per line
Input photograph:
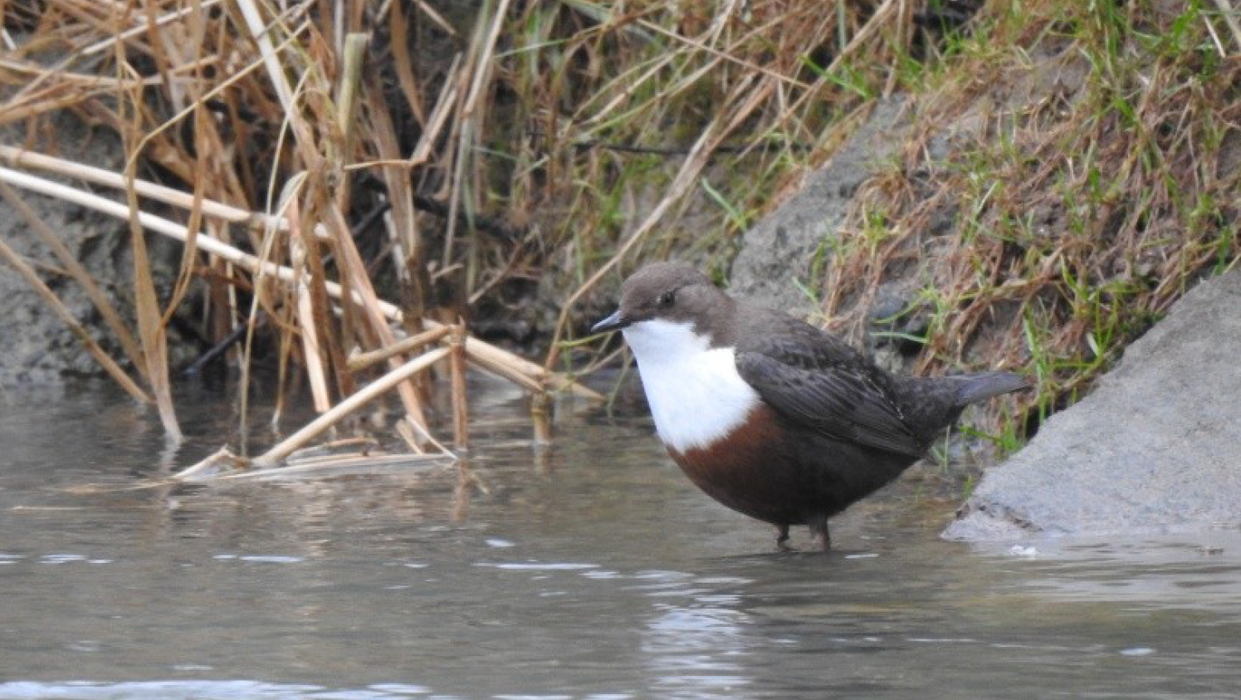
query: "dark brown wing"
819, 382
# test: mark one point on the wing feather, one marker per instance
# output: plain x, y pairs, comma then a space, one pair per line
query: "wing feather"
822, 384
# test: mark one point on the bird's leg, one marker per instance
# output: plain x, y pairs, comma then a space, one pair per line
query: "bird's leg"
819, 534
782, 537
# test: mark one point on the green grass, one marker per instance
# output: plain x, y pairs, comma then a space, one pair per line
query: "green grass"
1085, 205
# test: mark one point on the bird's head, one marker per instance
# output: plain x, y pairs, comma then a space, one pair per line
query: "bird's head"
663, 296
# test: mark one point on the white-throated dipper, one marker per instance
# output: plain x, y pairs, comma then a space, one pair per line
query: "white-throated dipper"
769, 415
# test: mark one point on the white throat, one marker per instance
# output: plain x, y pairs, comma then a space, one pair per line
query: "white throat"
695, 392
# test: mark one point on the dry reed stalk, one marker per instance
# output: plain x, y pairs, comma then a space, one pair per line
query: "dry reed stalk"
38, 102
339, 459
439, 117
355, 401
362, 360
469, 128
487, 361
310, 318
541, 418
221, 457
139, 29
343, 463
241, 468
21, 158
267, 51
355, 272
403, 64
497, 360
724, 55
401, 222
460, 405
408, 431
152, 329
347, 100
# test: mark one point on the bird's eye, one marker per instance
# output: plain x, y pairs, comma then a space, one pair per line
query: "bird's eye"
667, 298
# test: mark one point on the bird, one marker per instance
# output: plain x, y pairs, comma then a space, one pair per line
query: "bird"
769, 415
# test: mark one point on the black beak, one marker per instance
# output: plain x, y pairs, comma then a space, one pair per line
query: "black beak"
615, 322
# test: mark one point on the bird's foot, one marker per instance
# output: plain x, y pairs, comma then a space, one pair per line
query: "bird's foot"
782, 538
819, 534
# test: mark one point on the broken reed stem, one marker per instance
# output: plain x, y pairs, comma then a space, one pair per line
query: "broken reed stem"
460, 407
312, 350
220, 457
341, 410
363, 293
20, 158
541, 417
484, 359
345, 462
361, 360
496, 360
152, 330
347, 99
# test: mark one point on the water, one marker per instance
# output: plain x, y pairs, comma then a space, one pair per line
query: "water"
597, 572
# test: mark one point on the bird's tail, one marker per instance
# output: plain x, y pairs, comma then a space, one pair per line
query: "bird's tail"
934, 403
979, 387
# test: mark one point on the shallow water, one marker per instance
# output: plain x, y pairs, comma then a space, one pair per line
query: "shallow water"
596, 571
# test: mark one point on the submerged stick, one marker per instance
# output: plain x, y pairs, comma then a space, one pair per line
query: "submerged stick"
342, 463
221, 457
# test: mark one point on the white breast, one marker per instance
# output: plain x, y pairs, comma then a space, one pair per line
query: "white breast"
695, 392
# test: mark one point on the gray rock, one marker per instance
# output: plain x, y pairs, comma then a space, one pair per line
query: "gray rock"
1153, 449
35, 346
782, 246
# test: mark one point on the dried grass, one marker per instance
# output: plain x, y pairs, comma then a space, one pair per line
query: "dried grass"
262, 115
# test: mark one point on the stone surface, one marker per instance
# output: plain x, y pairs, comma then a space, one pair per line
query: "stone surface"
1155, 448
782, 246
35, 346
